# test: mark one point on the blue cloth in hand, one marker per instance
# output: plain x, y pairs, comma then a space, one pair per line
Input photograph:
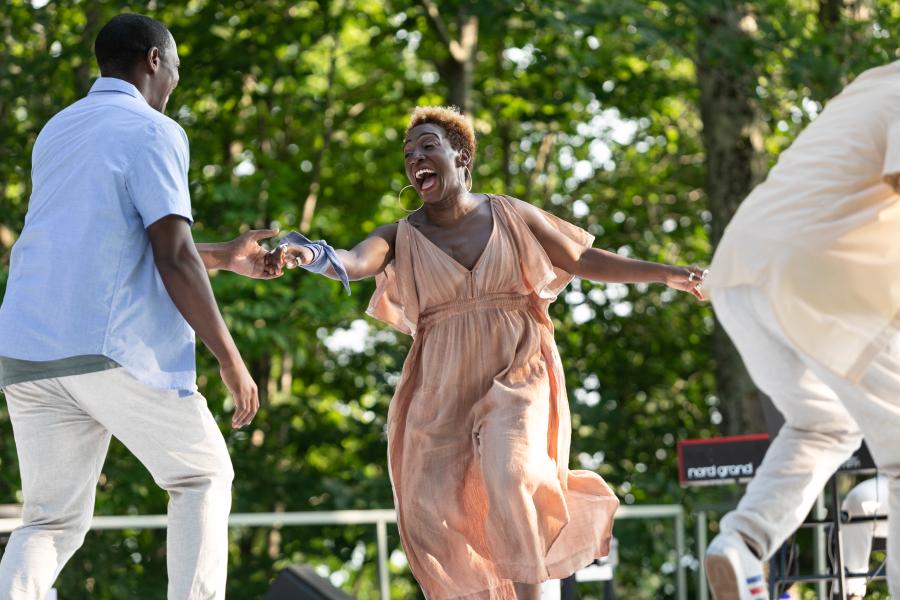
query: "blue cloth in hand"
323, 256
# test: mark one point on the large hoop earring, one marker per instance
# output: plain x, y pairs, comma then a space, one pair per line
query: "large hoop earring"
400, 202
471, 181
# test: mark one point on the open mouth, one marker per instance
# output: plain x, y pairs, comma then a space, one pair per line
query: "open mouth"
426, 179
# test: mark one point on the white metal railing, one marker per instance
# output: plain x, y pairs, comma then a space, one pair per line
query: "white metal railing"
380, 518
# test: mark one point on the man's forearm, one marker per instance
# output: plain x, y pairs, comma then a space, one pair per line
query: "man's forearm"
188, 285
214, 256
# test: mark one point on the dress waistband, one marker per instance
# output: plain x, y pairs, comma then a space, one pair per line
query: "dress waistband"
505, 301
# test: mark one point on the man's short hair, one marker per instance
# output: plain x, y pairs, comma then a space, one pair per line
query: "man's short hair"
126, 39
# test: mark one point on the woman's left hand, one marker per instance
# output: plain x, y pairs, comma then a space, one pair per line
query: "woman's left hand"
687, 279
288, 255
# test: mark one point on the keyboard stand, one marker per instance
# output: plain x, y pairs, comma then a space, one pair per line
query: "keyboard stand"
838, 576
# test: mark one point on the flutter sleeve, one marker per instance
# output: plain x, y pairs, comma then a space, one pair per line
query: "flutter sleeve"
395, 300
539, 275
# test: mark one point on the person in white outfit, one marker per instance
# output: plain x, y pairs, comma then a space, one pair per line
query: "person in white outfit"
806, 281
105, 292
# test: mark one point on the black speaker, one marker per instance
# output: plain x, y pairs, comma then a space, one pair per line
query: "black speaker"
300, 582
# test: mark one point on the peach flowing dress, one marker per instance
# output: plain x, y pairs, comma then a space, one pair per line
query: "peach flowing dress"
479, 426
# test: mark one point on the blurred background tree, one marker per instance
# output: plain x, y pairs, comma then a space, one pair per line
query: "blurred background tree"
646, 122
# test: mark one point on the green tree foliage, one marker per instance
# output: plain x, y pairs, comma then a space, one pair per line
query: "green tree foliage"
296, 111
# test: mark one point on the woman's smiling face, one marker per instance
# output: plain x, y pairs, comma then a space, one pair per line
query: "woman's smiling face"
430, 162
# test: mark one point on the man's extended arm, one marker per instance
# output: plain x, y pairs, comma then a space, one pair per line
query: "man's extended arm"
242, 255
184, 274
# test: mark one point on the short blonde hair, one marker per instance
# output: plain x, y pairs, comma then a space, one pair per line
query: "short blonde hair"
460, 132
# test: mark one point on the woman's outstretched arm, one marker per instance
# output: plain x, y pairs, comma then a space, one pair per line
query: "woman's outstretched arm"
366, 259
601, 265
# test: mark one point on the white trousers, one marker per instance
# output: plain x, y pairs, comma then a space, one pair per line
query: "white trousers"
62, 429
826, 417
867, 499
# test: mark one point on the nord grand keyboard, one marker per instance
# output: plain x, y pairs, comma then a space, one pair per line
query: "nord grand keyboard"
721, 460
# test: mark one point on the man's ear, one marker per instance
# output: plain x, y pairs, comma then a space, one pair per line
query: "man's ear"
153, 59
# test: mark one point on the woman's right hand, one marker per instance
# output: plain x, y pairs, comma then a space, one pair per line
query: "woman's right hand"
686, 279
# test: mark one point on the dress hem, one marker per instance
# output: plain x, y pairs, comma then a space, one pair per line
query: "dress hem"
558, 570
524, 574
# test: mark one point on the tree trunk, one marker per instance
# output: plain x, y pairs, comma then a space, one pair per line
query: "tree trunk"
726, 76
830, 13
540, 167
92, 26
463, 65
840, 36
315, 184
459, 67
459, 82
829, 52
504, 127
261, 369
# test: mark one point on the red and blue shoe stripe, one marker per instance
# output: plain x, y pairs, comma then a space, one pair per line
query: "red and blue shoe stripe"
757, 587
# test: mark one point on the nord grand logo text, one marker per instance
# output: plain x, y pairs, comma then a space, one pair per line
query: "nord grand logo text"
720, 471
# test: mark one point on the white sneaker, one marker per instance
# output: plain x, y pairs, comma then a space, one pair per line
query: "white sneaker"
733, 572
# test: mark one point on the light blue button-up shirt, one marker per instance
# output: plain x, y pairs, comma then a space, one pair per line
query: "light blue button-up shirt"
82, 278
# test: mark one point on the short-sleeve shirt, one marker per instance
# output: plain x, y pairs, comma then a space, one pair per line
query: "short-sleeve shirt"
821, 235
82, 277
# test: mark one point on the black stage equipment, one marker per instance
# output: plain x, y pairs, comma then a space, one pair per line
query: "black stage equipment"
300, 582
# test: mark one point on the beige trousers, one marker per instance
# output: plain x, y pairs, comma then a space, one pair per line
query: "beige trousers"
62, 429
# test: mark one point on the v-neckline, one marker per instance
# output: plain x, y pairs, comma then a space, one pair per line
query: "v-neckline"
484, 250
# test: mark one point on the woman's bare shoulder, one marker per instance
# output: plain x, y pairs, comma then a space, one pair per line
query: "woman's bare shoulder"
386, 232
529, 212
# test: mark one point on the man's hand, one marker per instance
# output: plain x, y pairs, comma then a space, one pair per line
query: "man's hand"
246, 397
289, 256
244, 255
